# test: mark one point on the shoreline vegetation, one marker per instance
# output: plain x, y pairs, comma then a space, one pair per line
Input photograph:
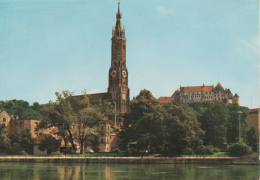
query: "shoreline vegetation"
172, 130
249, 159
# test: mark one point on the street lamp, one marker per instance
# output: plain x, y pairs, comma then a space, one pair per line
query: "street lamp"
240, 139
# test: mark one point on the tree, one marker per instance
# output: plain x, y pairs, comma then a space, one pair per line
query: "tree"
21, 108
50, 144
4, 140
236, 113
251, 138
182, 130
214, 121
89, 117
143, 124
75, 117
20, 141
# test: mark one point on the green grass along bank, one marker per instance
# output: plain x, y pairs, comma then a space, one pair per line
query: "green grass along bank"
125, 160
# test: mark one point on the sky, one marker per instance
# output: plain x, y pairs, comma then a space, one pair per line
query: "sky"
47, 46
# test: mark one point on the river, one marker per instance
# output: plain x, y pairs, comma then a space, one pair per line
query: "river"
52, 171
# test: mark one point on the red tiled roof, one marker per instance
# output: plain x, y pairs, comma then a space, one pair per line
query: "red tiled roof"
196, 88
164, 100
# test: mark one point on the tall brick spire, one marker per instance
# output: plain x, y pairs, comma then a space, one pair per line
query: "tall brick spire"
119, 30
118, 75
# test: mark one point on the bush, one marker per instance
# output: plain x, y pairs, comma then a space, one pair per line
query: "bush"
204, 150
188, 151
216, 150
238, 149
116, 151
69, 150
132, 152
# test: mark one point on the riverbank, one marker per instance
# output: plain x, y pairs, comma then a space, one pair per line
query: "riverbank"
125, 160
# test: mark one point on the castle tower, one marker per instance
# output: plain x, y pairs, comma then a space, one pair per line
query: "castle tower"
118, 90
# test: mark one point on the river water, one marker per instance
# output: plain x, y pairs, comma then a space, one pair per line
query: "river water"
51, 171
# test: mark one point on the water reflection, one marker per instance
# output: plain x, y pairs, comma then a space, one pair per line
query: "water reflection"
42, 171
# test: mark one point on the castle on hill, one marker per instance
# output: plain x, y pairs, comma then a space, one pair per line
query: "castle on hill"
204, 93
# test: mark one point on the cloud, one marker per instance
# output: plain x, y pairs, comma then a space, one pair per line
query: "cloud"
93, 91
164, 10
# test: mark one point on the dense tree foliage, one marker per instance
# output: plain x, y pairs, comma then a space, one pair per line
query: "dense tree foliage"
220, 121
4, 140
214, 121
22, 109
149, 126
15, 142
182, 130
75, 117
251, 138
20, 141
50, 144
143, 125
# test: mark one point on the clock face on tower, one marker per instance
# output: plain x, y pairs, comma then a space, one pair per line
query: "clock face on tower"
124, 73
113, 73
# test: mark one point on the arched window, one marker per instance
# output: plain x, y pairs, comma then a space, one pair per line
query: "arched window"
114, 63
4, 119
123, 64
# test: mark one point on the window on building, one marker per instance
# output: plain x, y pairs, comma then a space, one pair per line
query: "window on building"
4, 119
102, 139
101, 127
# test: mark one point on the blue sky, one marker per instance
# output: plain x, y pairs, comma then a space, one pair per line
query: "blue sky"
47, 46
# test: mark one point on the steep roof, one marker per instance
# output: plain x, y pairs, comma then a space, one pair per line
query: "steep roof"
165, 100
236, 95
196, 88
218, 87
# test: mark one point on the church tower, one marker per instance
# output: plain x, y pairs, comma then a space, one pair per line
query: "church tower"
118, 90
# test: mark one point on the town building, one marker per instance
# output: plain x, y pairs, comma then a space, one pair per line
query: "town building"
165, 100
26, 123
204, 93
253, 118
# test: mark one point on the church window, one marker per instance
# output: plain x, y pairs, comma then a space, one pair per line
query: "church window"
123, 47
119, 63
114, 63
123, 64
123, 83
4, 119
